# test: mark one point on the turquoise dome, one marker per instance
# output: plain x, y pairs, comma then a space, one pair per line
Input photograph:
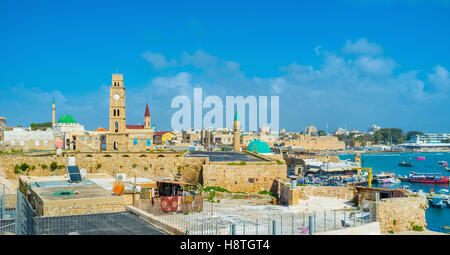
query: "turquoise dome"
67, 119
259, 146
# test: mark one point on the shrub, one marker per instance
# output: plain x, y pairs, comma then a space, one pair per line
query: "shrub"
394, 222
44, 166
391, 231
417, 228
265, 192
134, 165
242, 163
53, 166
61, 166
145, 168
99, 165
24, 167
279, 162
33, 167
215, 188
17, 169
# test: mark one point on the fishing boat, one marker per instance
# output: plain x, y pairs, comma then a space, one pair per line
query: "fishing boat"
385, 178
443, 163
405, 164
420, 158
428, 178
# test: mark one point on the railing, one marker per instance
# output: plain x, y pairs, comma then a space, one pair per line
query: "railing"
215, 222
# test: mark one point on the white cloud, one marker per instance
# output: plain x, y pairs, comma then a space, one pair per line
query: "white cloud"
362, 47
157, 60
375, 65
440, 79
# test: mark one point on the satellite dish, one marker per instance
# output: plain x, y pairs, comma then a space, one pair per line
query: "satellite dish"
59, 152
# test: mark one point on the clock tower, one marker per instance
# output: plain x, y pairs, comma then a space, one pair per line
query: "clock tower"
117, 117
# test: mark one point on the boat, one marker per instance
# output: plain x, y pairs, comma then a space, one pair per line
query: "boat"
406, 187
437, 201
405, 164
447, 168
385, 178
420, 158
443, 163
428, 178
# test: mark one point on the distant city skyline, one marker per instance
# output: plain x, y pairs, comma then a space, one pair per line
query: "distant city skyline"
353, 63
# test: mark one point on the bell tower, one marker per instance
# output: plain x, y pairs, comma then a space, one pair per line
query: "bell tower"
117, 119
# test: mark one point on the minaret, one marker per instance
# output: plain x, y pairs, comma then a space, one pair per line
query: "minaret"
236, 134
147, 118
53, 112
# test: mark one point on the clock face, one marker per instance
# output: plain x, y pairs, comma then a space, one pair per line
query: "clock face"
116, 96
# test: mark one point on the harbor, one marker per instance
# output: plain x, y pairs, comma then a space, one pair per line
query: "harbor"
438, 217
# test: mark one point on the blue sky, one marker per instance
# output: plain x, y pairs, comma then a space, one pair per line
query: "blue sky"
338, 62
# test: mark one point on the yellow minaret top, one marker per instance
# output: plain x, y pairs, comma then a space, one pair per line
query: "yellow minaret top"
117, 117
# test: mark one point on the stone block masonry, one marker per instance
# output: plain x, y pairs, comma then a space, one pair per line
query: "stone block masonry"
401, 214
130, 164
253, 177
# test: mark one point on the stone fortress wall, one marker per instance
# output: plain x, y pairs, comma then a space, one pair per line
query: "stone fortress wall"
141, 164
401, 214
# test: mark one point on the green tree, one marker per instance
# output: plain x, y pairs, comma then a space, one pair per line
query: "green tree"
389, 136
412, 133
321, 133
36, 126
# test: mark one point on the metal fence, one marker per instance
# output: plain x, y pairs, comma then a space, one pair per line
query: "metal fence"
211, 222
199, 218
20, 219
7, 211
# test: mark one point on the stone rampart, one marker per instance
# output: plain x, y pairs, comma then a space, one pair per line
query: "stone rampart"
401, 214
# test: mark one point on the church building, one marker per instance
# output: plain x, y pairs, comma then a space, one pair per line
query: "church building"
123, 137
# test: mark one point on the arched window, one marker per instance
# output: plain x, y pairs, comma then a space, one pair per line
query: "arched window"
117, 127
114, 112
118, 112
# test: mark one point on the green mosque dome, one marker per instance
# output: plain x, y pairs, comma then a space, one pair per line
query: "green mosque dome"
67, 119
259, 146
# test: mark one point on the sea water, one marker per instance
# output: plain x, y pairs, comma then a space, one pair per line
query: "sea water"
388, 162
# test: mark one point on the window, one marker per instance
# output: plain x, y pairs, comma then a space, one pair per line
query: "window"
117, 127
135, 141
45, 143
13, 142
22, 143
149, 142
36, 142
114, 112
118, 112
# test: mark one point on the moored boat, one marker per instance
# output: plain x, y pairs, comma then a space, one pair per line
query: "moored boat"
420, 158
405, 164
443, 163
428, 178
385, 178
437, 201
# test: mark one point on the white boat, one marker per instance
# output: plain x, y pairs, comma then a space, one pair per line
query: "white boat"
385, 178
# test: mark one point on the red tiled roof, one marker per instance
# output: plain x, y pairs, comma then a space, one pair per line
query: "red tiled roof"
101, 130
147, 112
135, 126
161, 132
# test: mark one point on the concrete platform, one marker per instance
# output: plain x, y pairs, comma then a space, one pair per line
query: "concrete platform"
54, 196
